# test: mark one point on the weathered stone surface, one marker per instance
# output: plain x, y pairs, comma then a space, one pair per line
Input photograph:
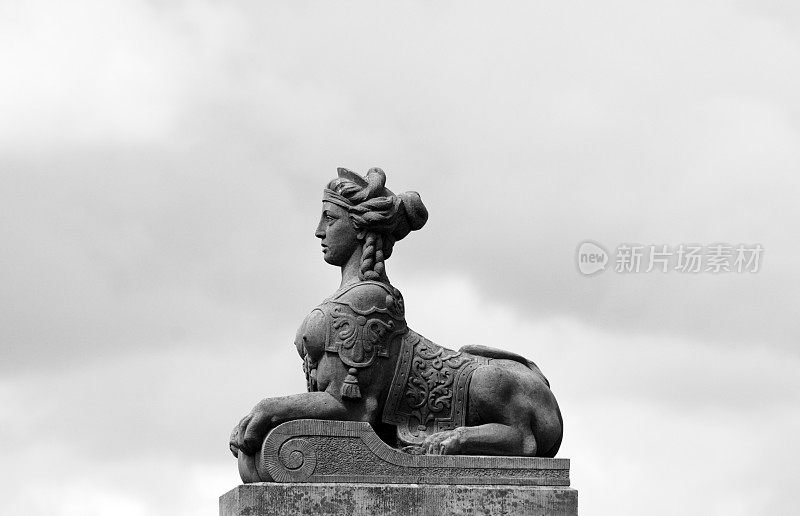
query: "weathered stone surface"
271, 499
348, 451
364, 363
473, 431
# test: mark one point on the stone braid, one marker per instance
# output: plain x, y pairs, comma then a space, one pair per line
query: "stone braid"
378, 268
372, 257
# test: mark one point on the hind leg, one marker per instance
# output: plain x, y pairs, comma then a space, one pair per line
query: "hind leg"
487, 439
511, 412
499, 417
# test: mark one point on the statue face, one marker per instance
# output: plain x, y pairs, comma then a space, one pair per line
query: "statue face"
339, 236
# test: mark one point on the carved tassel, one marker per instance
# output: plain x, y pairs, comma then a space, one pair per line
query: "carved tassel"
350, 387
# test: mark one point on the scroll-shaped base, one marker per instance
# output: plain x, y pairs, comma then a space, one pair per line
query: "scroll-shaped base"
316, 451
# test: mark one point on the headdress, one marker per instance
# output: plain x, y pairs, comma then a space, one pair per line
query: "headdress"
364, 196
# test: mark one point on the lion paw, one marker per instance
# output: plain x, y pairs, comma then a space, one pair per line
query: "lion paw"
449, 442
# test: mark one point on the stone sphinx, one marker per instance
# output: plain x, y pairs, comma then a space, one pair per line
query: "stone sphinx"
363, 364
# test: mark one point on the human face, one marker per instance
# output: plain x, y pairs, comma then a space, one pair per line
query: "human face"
339, 236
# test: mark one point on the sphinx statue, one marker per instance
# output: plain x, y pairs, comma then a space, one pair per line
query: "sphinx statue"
364, 364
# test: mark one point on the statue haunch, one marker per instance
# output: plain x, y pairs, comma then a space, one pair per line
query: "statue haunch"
363, 363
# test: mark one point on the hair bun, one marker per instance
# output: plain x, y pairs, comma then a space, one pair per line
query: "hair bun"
416, 212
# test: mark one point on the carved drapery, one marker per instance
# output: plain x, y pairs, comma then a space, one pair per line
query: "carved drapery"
430, 389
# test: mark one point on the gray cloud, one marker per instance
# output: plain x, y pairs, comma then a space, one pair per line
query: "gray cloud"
632, 404
162, 165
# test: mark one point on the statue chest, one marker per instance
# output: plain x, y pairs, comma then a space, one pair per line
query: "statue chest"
358, 337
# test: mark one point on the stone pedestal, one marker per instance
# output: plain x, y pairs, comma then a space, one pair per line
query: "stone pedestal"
315, 468
342, 499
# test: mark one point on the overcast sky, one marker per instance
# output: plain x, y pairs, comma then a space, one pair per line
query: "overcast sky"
162, 166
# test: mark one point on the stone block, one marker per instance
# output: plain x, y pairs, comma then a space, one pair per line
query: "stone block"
362, 499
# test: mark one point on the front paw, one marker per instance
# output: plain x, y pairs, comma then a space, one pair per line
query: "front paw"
252, 436
449, 442
249, 434
235, 442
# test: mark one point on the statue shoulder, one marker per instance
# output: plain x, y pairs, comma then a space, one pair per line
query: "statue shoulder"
366, 297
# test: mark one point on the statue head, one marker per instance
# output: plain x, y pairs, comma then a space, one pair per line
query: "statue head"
361, 212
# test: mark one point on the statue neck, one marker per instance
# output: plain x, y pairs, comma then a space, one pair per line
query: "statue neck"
351, 269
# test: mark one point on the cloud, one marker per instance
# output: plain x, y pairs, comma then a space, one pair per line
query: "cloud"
217, 129
162, 165
639, 412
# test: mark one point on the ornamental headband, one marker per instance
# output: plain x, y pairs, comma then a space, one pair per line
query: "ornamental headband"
333, 197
